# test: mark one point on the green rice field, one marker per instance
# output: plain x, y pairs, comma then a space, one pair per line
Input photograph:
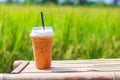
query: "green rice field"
80, 32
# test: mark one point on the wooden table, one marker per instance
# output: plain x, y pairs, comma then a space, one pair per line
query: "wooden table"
96, 69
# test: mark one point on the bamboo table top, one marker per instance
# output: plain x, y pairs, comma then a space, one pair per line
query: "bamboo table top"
96, 69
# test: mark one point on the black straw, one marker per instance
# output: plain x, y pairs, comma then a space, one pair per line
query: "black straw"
42, 20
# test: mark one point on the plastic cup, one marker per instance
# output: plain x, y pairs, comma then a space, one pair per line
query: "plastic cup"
42, 46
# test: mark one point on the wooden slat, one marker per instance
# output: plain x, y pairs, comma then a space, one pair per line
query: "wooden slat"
117, 75
57, 70
85, 61
87, 65
1, 76
62, 76
17, 63
20, 67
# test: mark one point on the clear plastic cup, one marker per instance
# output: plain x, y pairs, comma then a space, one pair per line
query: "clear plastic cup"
42, 46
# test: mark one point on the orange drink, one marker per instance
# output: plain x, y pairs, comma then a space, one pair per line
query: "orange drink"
42, 46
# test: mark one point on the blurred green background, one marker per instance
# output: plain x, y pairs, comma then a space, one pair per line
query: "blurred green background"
83, 29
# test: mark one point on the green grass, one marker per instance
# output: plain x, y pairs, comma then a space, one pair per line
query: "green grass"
80, 32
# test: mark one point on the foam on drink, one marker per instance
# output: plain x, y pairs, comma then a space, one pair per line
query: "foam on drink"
38, 31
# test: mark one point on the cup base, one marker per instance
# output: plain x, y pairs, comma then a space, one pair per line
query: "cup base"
43, 68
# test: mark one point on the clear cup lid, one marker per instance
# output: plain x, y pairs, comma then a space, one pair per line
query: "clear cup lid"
39, 31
